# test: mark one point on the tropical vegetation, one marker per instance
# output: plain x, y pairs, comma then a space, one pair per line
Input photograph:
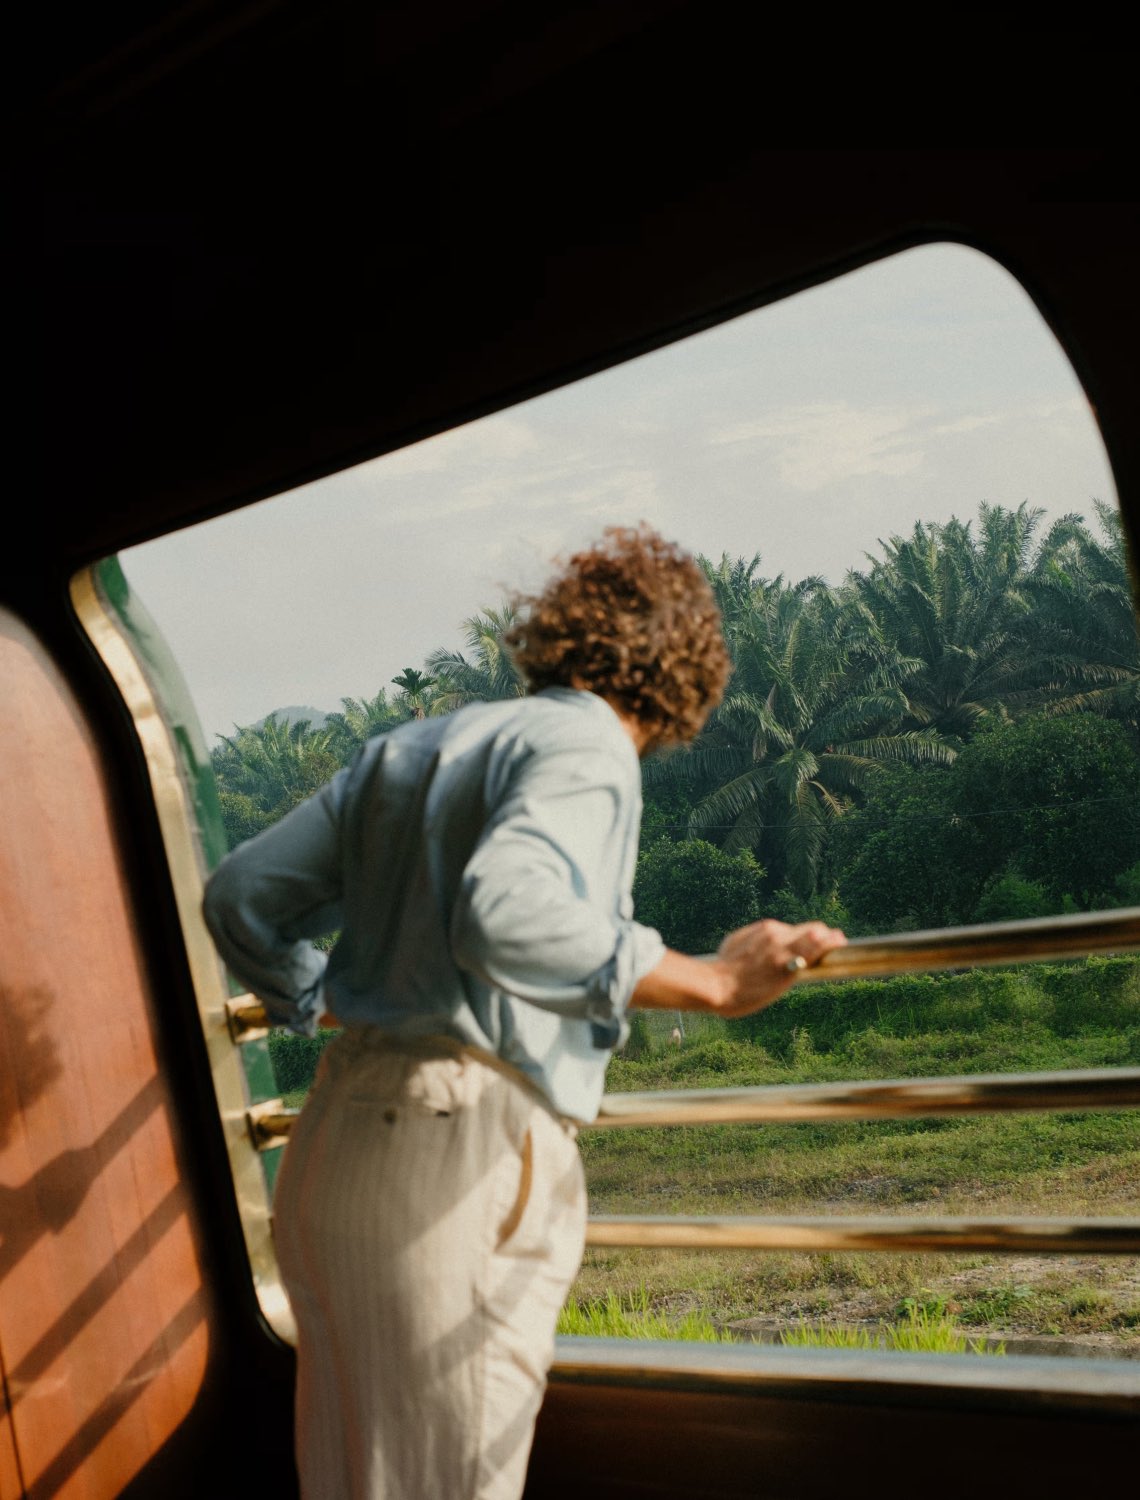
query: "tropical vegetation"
951, 733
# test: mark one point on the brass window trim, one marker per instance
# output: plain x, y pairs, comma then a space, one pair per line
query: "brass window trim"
172, 804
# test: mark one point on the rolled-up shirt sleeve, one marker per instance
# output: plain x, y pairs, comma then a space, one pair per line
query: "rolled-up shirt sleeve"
540, 906
270, 896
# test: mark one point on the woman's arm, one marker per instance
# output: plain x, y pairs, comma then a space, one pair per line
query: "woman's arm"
753, 967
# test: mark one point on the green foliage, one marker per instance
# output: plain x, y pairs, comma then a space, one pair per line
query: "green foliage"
242, 818
1033, 818
810, 713
416, 695
358, 721
863, 1017
978, 1021
894, 855
1053, 798
824, 906
832, 757
638, 1043
997, 1305
823, 1335
488, 674
1087, 1299
951, 602
665, 814
694, 893
923, 1332
1127, 891
295, 1058
1084, 621
262, 771
1009, 898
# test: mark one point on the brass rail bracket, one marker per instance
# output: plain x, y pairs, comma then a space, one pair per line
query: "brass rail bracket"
270, 1123
247, 1019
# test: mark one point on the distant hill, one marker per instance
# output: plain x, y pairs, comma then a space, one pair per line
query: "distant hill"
294, 714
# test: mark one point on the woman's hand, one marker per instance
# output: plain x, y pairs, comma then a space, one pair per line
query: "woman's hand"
762, 960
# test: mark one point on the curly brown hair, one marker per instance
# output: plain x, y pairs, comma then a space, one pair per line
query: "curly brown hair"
633, 619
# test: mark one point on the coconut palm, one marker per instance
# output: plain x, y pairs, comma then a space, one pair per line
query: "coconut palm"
358, 721
488, 674
264, 770
952, 606
807, 719
740, 593
1085, 619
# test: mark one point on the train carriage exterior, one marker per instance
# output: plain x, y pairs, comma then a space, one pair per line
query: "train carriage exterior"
253, 244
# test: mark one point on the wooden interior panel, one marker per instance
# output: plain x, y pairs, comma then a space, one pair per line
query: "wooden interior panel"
618, 1443
103, 1311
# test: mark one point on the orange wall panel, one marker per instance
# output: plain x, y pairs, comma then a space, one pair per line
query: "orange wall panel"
103, 1313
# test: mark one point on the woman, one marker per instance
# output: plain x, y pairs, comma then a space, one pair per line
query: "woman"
430, 1210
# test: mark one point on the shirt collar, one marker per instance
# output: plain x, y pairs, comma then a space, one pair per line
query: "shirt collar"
595, 704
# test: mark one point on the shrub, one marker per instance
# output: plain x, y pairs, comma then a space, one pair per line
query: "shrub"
1009, 898
1100, 994
638, 1044
295, 1058
695, 894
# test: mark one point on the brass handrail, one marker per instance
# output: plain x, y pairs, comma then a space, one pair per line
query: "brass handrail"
834, 1232
1047, 1386
1036, 939
979, 1094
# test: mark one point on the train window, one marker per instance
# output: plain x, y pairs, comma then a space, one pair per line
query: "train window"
932, 731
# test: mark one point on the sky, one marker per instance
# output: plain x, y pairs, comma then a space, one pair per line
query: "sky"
913, 389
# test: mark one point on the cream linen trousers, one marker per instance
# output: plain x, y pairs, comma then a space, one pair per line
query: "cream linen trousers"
429, 1217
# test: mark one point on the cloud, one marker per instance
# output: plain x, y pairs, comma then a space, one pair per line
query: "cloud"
826, 443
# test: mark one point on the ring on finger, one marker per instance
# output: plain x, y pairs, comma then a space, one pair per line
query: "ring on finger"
795, 964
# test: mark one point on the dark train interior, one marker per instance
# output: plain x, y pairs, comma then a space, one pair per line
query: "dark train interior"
255, 242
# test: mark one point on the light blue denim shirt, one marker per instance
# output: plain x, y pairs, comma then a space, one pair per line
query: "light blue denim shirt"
478, 868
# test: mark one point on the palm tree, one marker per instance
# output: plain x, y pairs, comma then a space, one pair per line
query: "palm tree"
264, 770
490, 674
415, 691
358, 721
1084, 619
740, 593
951, 607
807, 720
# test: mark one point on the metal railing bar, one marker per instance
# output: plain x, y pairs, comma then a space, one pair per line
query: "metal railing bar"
1008, 1236
1032, 940
1038, 938
981, 1093
1103, 1387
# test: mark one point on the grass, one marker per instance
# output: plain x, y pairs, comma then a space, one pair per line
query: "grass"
1048, 1017
920, 1332
1037, 1017
632, 1317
